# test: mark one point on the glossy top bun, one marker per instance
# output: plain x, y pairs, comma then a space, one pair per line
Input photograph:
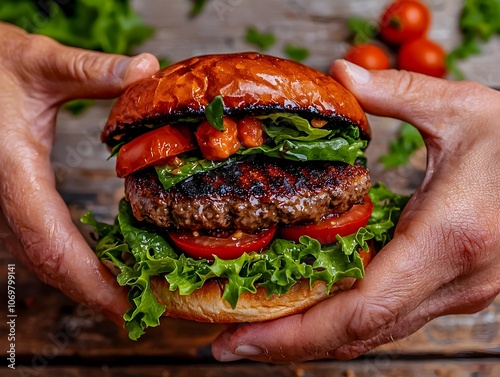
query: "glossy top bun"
250, 84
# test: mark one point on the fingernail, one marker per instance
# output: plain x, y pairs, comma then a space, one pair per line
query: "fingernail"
248, 350
228, 356
358, 74
122, 66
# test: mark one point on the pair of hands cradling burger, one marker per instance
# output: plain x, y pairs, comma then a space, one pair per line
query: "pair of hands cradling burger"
443, 259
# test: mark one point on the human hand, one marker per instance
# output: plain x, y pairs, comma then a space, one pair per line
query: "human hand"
37, 76
445, 255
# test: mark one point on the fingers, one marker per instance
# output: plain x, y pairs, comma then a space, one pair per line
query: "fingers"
465, 295
45, 239
436, 106
397, 281
66, 72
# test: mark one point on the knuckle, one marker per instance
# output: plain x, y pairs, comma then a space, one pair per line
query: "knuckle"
370, 318
79, 66
34, 47
45, 255
407, 86
468, 240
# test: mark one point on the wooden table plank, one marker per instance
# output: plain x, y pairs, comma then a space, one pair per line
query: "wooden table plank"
363, 368
51, 324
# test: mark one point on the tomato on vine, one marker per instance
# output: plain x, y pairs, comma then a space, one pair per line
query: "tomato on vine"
405, 20
368, 56
423, 56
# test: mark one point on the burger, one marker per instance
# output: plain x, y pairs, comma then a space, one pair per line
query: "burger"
247, 197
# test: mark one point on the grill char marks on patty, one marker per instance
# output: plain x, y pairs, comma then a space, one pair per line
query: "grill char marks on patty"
249, 195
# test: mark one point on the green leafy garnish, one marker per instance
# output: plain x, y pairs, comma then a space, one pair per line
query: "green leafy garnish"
78, 106
289, 136
479, 21
198, 6
112, 26
362, 30
140, 254
164, 62
295, 139
296, 53
262, 40
407, 143
171, 175
214, 113
115, 28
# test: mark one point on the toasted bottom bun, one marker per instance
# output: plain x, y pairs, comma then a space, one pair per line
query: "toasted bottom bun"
206, 304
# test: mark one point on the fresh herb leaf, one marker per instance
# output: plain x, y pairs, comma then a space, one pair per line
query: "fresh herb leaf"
262, 40
112, 26
171, 175
479, 21
362, 30
116, 149
288, 126
337, 149
407, 143
164, 62
214, 113
78, 106
296, 53
198, 6
294, 138
289, 136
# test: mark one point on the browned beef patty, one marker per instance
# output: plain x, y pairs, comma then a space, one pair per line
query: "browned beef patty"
249, 195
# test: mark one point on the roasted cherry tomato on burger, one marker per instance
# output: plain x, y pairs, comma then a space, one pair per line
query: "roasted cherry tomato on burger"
368, 56
205, 247
251, 132
423, 56
153, 148
405, 20
218, 145
326, 230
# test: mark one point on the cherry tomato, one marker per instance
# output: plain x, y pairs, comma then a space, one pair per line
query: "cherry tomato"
327, 230
368, 56
405, 20
153, 148
205, 247
218, 145
251, 132
423, 56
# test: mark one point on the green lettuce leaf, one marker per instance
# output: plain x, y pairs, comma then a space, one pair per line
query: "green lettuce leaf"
294, 138
171, 175
288, 126
289, 136
140, 253
337, 149
408, 141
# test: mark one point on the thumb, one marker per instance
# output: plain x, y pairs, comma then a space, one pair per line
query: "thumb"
63, 73
429, 103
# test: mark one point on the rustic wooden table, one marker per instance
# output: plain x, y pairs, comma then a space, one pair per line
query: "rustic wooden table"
57, 336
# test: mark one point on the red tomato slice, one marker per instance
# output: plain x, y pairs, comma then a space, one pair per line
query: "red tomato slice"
153, 148
327, 230
205, 247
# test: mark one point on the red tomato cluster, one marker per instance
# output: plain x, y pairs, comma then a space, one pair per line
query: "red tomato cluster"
403, 26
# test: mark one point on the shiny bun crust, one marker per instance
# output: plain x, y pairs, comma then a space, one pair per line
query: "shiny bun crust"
206, 304
250, 84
